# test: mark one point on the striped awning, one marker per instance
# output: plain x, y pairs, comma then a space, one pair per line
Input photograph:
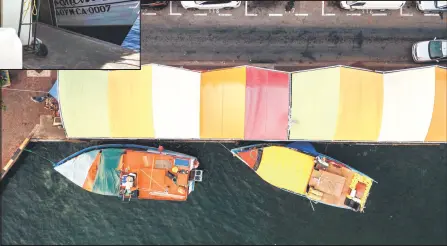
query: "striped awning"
248, 103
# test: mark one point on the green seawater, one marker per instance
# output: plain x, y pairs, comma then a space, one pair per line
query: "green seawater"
232, 205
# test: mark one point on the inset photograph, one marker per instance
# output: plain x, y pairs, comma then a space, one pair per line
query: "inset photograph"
65, 34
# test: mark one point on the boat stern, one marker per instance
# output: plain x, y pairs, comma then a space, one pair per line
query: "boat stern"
195, 175
359, 190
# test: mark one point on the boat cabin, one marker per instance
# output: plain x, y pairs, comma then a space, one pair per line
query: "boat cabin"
334, 183
146, 175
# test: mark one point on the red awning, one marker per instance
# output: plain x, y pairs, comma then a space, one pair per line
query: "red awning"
266, 104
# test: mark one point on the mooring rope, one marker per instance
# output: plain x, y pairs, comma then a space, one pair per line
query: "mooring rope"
27, 150
34, 10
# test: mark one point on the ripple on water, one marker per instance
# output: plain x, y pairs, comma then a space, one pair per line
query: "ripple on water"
232, 206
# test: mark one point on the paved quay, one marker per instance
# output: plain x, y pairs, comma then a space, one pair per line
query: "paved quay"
21, 115
69, 50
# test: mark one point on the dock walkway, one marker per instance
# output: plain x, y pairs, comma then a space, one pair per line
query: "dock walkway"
21, 115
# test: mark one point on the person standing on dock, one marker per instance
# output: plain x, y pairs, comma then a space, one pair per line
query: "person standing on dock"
40, 99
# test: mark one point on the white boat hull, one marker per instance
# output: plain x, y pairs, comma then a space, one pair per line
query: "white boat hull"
96, 12
108, 20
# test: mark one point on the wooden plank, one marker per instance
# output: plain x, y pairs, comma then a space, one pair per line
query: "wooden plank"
17, 153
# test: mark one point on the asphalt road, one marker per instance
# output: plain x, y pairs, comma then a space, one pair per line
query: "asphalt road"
280, 44
175, 36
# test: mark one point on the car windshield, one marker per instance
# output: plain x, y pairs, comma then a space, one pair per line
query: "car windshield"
437, 49
211, 2
441, 4
351, 2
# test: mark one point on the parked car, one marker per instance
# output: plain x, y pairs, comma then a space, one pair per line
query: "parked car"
432, 6
153, 4
377, 5
196, 5
430, 51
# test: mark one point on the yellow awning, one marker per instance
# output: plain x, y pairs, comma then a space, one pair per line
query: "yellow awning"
130, 103
360, 106
286, 168
222, 103
438, 127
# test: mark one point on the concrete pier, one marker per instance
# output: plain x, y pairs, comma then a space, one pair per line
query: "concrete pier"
69, 50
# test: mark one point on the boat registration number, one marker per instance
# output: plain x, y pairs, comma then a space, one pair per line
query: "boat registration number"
84, 10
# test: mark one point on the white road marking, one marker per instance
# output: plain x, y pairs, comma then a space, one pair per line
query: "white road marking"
170, 9
275, 14
149, 13
381, 14
225, 14
322, 10
246, 10
301, 14
204, 14
431, 15
402, 14
356, 14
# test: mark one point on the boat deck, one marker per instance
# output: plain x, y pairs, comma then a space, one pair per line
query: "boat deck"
69, 50
331, 184
152, 181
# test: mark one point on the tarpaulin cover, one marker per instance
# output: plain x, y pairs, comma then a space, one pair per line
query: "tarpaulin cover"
53, 91
409, 97
129, 111
315, 100
303, 146
266, 104
107, 178
327, 104
176, 102
84, 103
347, 104
286, 168
154, 102
438, 126
76, 169
222, 104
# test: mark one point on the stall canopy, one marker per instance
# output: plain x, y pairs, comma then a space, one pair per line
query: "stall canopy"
154, 102
84, 103
438, 125
244, 103
336, 103
222, 104
130, 104
176, 102
266, 104
327, 104
315, 99
347, 104
407, 105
